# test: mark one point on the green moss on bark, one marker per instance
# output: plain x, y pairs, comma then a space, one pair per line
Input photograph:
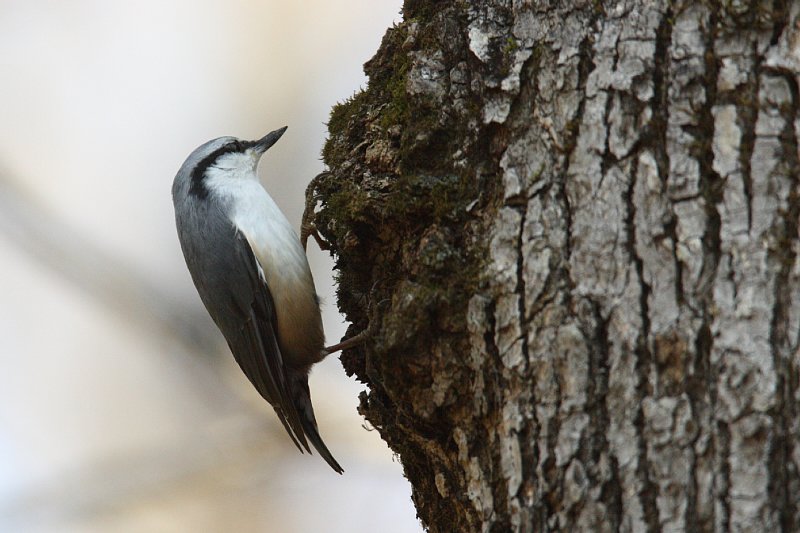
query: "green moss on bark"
398, 208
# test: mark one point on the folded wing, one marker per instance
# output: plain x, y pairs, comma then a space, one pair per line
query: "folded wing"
255, 347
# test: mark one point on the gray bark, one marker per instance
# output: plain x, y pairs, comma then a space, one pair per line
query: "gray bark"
575, 225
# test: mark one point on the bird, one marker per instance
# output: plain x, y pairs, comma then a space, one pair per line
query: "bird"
251, 272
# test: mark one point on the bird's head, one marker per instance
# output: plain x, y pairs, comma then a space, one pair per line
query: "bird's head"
226, 157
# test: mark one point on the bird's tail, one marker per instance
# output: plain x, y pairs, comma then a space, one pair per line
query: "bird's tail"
301, 396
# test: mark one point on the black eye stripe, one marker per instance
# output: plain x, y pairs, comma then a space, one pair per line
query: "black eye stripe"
197, 187
240, 146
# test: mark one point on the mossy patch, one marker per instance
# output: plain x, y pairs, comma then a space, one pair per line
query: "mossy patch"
343, 128
398, 211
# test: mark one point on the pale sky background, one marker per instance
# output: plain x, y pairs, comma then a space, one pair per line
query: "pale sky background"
121, 409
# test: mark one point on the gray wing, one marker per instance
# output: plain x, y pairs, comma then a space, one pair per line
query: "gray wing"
225, 272
226, 275
255, 346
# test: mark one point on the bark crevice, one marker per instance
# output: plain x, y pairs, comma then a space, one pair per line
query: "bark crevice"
583, 217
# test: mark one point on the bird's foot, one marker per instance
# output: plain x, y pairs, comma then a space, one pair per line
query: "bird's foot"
352, 342
307, 226
360, 338
308, 229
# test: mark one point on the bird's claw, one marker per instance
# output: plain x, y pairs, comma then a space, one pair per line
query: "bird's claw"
307, 226
365, 334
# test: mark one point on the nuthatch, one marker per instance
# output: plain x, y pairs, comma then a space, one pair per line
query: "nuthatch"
252, 274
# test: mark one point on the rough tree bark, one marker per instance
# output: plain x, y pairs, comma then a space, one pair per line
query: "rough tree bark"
575, 226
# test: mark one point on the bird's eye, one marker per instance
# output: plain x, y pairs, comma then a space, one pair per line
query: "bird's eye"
236, 146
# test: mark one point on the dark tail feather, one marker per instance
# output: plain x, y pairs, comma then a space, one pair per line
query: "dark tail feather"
298, 382
289, 429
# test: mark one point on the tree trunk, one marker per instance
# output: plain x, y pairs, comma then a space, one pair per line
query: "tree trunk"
574, 228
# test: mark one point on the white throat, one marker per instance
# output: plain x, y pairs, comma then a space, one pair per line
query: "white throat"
273, 239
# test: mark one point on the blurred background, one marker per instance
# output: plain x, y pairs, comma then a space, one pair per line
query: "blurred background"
121, 409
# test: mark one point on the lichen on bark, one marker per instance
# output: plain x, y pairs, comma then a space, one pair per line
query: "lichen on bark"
576, 228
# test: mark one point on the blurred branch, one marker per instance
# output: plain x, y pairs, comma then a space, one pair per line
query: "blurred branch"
121, 483
110, 282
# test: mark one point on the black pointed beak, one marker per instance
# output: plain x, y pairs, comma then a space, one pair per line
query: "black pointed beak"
263, 144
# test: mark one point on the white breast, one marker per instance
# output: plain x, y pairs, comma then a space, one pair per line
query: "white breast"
282, 259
